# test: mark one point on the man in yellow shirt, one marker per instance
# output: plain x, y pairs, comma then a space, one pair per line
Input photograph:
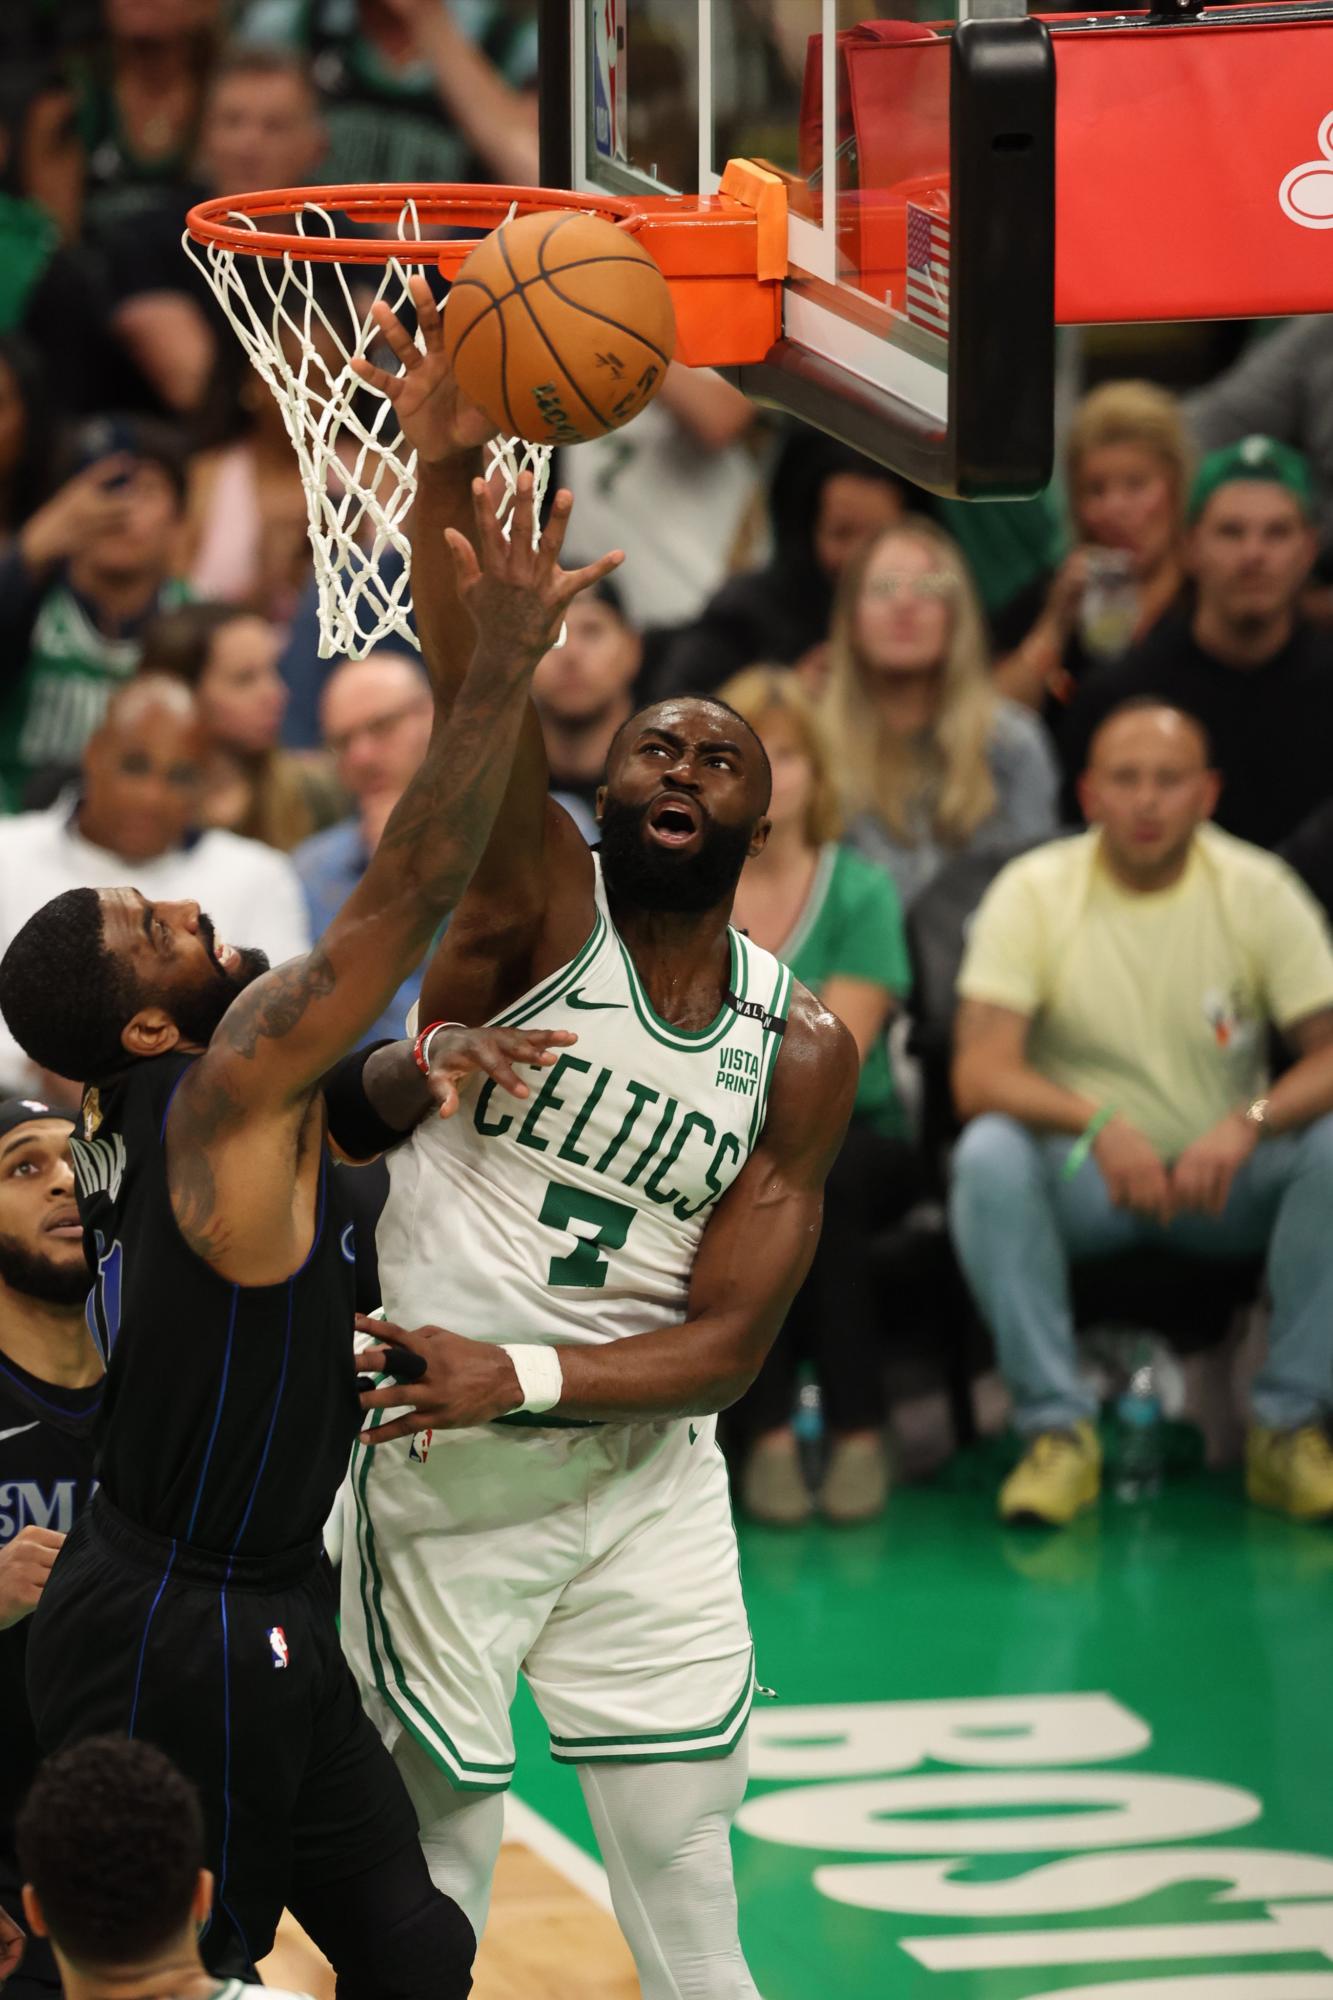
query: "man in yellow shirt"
1115, 1002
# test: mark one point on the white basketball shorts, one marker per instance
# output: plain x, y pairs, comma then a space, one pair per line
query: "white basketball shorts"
599, 1561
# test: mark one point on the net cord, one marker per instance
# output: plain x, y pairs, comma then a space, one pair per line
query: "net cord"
359, 478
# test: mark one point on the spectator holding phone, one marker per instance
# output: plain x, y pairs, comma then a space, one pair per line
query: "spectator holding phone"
77, 588
1128, 467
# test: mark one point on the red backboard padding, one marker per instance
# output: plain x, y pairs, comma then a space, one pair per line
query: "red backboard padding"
1194, 165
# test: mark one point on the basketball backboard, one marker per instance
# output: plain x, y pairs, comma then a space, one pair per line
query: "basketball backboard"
994, 175
933, 230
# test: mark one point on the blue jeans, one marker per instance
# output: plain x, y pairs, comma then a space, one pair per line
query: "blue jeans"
1017, 1223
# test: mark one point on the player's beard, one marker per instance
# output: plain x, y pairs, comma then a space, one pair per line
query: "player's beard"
640, 872
198, 1010
34, 1276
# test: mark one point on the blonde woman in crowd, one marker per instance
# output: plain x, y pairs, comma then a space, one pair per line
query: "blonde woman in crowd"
1128, 469
835, 919
230, 658
931, 761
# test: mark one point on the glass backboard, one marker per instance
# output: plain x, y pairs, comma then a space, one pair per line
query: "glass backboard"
918, 156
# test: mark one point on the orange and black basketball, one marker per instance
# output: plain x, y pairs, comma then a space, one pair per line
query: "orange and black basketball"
559, 326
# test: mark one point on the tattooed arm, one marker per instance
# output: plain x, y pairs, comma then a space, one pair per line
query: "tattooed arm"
263, 1066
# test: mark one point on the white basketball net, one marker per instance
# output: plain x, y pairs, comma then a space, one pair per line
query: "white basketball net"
358, 474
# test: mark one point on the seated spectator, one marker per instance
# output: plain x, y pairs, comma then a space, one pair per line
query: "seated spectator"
835, 919
140, 94
409, 93
305, 673
249, 786
1281, 387
50, 1390
582, 691
931, 762
136, 818
261, 129
679, 490
50, 292
1255, 672
111, 1842
84, 577
1112, 1043
1011, 548
1127, 466
376, 717
825, 503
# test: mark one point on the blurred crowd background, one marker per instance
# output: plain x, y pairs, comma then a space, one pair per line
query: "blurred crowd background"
926, 676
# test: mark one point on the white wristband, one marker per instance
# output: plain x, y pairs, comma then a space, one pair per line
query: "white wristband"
427, 1039
540, 1377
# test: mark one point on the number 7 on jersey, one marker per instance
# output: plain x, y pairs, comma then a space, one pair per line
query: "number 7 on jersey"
584, 1267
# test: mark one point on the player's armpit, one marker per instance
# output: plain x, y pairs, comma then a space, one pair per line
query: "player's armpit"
755, 1252
526, 913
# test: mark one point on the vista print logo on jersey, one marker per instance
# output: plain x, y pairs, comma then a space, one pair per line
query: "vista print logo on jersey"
277, 1640
738, 1070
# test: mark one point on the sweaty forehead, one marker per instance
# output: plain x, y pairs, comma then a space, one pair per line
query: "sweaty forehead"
693, 721
122, 917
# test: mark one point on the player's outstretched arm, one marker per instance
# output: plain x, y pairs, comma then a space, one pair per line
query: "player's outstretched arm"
752, 1260
285, 1031
534, 846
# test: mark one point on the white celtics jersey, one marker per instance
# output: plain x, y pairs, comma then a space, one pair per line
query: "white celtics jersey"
574, 1216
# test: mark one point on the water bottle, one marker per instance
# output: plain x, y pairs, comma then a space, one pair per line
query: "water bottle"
1141, 1436
808, 1424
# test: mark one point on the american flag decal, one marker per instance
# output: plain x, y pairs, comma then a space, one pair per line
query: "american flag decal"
928, 269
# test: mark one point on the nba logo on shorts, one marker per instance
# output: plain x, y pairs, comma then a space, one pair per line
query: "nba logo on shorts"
277, 1639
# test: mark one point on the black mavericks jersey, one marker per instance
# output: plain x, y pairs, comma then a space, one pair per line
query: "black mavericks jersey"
229, 1410
46, 1481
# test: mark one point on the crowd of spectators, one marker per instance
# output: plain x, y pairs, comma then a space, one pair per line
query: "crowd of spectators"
933, 683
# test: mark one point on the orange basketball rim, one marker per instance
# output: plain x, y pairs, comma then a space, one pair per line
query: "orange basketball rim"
724, 256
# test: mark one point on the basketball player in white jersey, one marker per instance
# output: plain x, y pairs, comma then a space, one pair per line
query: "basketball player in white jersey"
587, 1279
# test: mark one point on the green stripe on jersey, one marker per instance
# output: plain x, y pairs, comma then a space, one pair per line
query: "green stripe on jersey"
687, 1041
557, 984
713, 1739
781, 995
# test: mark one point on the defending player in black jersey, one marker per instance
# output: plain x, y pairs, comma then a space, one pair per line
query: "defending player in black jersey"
191, 1606
50, 1388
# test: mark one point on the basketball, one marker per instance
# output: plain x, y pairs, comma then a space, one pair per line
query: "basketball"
560, 327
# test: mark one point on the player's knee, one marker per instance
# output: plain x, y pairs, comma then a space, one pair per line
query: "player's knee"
426, 1955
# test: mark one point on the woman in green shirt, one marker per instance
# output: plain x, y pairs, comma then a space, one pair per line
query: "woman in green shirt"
834, 917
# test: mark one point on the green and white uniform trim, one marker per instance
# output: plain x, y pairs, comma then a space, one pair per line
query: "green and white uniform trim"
676, 1745
601, 1561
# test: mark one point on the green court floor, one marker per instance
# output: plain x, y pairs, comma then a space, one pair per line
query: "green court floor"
1003, 1764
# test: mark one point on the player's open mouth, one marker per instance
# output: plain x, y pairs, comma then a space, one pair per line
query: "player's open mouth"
64, 1223
675, 822
226, 955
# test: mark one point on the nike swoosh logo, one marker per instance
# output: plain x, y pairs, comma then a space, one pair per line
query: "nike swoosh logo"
582, 1006
18, 1430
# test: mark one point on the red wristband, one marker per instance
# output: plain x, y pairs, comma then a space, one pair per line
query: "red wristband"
420, 1052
